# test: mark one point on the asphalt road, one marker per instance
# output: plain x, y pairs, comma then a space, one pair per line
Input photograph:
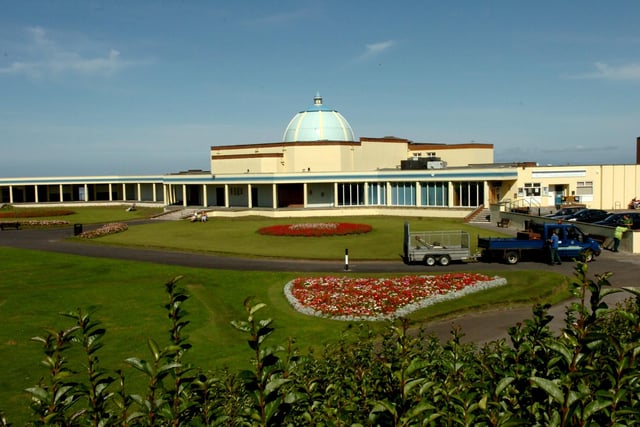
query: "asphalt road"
478, 327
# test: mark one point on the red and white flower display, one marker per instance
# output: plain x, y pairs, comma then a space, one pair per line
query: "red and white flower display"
374, 299
315, 229
114, 227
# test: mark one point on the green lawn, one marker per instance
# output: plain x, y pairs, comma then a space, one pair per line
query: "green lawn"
240, 237
81, 215
128, 296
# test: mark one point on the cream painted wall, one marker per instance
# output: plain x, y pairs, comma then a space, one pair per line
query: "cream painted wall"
367, 155
373, 155
456, 157
613, 186
316, 158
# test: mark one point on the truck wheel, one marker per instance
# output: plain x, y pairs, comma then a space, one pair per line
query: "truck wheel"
511, 257
429, 261
445, 260
587, 255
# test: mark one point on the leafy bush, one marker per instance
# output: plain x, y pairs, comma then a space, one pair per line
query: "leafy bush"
588, 375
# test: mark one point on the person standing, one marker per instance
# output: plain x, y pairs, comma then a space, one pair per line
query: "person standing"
554, 242
617, 236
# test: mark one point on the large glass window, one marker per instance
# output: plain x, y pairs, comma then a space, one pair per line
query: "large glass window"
434, 193
468, 194
403, 193
377, 193
350, 193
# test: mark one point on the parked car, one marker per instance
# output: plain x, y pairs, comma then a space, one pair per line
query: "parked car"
587, 215
616, 219
563, 212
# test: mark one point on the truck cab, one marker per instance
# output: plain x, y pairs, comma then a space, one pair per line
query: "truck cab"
572, 242
532, 243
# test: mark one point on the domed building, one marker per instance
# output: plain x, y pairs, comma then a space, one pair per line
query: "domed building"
320, 139
318, 123
321, 168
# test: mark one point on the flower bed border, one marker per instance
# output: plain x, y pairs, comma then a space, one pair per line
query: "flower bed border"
401, 311
315, 229
111, 228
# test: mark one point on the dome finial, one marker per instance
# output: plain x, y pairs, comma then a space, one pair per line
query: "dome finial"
317, 100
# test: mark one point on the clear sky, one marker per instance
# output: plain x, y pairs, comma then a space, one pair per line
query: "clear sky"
123, 87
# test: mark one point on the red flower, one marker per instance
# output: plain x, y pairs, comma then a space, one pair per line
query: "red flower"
316, 229
379, 298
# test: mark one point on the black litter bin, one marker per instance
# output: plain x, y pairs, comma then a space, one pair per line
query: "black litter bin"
77, 229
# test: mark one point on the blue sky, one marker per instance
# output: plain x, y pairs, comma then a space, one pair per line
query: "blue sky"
147, 87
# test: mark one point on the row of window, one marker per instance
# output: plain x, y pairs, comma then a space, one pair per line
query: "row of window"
466, 194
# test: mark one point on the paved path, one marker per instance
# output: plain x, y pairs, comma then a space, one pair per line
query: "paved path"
478, 327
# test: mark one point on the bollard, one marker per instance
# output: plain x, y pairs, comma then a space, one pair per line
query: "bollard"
346, 260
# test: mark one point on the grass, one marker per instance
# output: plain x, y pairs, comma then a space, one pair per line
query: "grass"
128, 296
239, 236
87, 214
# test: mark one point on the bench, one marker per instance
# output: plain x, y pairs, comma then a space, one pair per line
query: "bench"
4, 225
504, 222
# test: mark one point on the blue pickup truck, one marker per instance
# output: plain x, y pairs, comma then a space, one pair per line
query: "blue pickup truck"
532, 244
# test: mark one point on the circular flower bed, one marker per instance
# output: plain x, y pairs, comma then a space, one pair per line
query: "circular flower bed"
372, 299
315, 229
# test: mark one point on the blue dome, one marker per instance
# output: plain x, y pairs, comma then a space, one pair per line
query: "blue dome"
318, 123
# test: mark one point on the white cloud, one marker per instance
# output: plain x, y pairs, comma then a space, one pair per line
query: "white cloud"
44, 58
607, 72
375, 49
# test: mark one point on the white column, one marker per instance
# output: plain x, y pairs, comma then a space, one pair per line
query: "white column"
335, 194
110, 192
184, 194
388, 190
86, 193
274, 196
35, 190
226, 195
204, 195
305, 199
11, 194
450, 194
153, 189
418, 193
124, 191
366, 194
486, 191
249, 198
139, 187
61, 193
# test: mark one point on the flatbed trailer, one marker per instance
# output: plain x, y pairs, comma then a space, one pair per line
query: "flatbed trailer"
435, 247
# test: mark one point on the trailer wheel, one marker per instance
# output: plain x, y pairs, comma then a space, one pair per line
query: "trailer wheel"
512, 257
587, 255
429, 261
445, 260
